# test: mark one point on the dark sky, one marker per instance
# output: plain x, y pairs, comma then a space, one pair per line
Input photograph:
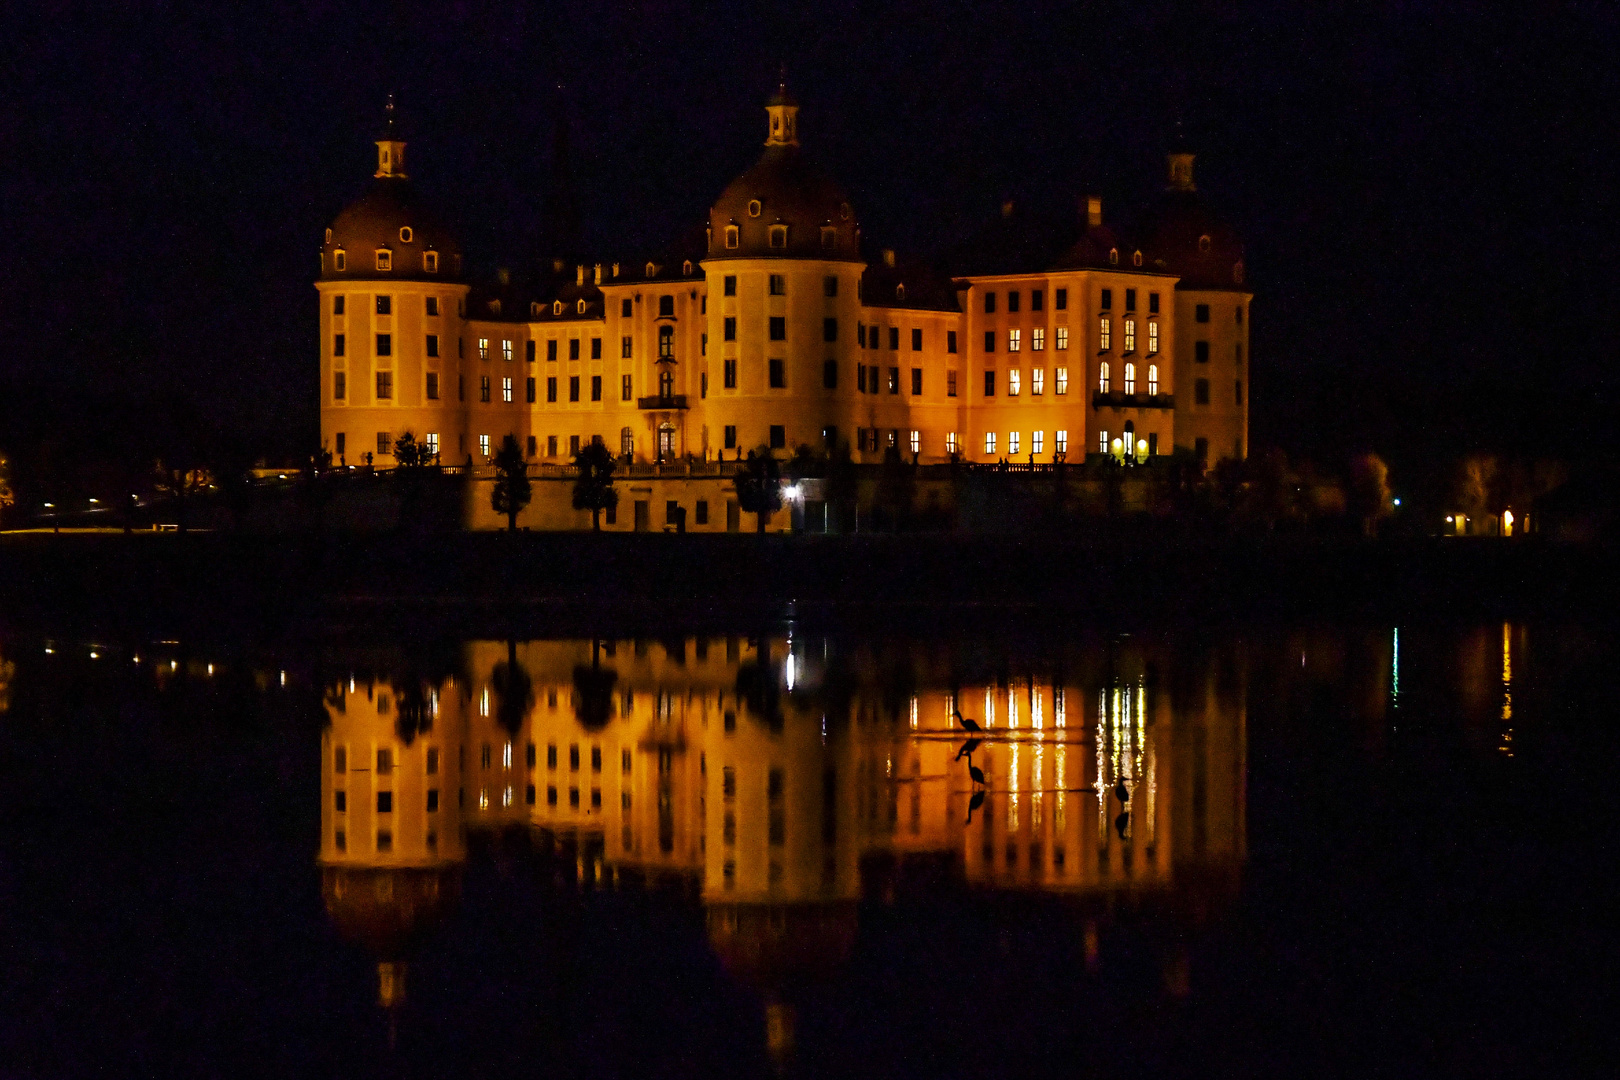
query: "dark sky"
1427, 192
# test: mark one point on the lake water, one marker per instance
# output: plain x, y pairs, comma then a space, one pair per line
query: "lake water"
1247, 850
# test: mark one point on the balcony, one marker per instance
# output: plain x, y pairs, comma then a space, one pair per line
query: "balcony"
1099, 400
662, 401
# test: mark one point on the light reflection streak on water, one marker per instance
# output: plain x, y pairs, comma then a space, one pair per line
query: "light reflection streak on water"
1507, 689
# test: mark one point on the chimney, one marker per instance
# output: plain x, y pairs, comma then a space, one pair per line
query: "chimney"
598, 273
615, 269
1093, 210
556, 266
504, 276
888, 257
579, 274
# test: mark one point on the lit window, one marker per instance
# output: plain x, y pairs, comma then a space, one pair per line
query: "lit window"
1037, 442
483, 448
506, 390
385, 259
1130, 378
1062, 338
430, 261
1153, 378
950, 443
1102, 441
731, 236
1014, 338
431, 441
339, 260
1061, 377
916, 442
506, 351
1060, 443
1015, 380
1105, 335
778, 236
1037, 337
989, 442
1037, 382
1130, 335
1153, 338
1012, 442
483, 348
1102, 376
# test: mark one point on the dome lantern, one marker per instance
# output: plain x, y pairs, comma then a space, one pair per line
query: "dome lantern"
1181, 170
784, 118
390, 148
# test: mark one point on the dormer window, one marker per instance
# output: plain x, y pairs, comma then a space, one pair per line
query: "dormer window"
534, 309
385, 259
899, 292
405, 234
556, 307
1203, 243
652, 269
754, 207
686, 268
580, 307
430, 261
494, 307
455, 263
1136, 260
1113, 256
328, 236
829, 237
779, 236
339, 262
731, 236
843, 211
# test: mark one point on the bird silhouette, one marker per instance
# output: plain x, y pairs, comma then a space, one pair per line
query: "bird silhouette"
1122, 823
976, 772
966, 723
967, 749
1122, 793
973, 804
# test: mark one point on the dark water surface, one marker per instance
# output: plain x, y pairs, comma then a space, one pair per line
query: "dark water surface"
1270, 850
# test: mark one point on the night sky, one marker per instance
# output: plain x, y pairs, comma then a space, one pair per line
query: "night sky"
1428, 194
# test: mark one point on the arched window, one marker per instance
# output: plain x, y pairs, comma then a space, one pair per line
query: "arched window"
829, 237
534, 308
1136, 260
731, 236
1113, 255
652, 269
844, 211
1102, 377
1130, 378
666, 343
899, 292
1130, 439
1237, 273
1153, 378
556, 307
430, 261
686, 268
328, 236
1203, 243
339, 260
627, 442
580, 307
778, 236
385, 259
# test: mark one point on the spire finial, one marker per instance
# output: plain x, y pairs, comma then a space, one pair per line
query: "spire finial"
390, 148
784, 114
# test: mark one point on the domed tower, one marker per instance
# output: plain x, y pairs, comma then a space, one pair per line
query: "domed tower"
392, 298
783, 273
1182, 237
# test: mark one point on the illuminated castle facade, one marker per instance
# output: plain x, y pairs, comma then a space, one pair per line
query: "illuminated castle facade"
772, 329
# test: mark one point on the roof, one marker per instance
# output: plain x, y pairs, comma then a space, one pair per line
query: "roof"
784, 187
910, 284
391, 216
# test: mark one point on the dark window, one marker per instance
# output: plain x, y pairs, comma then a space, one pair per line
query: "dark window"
1153, 303
433, 800
860, 377
461, 388
385, 385
702, 518
829, 326
1239, 312
483, 388
989, 303
534, 448
339, 343
731, 374
529, 389
433, 344
1201, 313
385, 802
624, 388
730, 285
1107, 300
778, 436
596, 349
860, 334
551, 756
916, 380
1238, 386
1201, 392
778, 285
666, 307
1201, 449
433, 305
573, 758
731, 436
625, 309
829, 374
989, 384
1012, 301
950, 384
1130, 299
340, 801
829, 285
916, 339
894, 337
573, 348
950, 341
385, 305
551, 388
778, 328
894, 380
731, 328
1037, 300
778, 370
528, 351
596, 388
1201, 352
385, 344
551, 794
337, 305
433, 386
1060, 300
573, 388
989, 341
340, 385
528, 794
551, 350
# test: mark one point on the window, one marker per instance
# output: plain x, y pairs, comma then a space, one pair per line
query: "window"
339, 262
1060, 300
989, 442
1014, 337
385, 385
385, 305
1012, 301
1012, 442
551, 389
989, 341
894, 380
1201, 392
1102, 441
1130, 378
532, 449
385, 442
731, 239
483, 445
1153, 303
625, 346
1238, 387
666, 307
731, 375
703, 384
339, 343
894, 337
950, 383
916, 381
483, 348
829, 374
506, 389
1201, 352
829, 328
1153, 338
596, 348
778, 372
461, 388
1201, 313
506, 351
730, 434
779, 236
385, 344
1060, 442
778, 436
1061, 379
573, 388
729, 285
778, 328
1130, 299
1201, 449
385, 802
990, 384
433, 386
1153, 378
778, 285
340, 385
433, 344
989, 303
338, 306
430, 261
950, 341
703, 344
860, 377
666, 343
702, 518
1130, 335
754, 207
1203, 243
1037, 382
1105, 334
625, 308
1036, 299
483, 388
1102, 377
385, 259
1015, 382
551, 351
596, 388
624, 388
573, 348
829, 284
1237, 311
729, 329
1037, 339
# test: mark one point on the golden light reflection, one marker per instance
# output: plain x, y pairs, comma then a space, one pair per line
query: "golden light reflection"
1507, 689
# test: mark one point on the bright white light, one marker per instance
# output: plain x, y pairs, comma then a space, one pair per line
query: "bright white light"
95, 655
137, 659
791, 491
210, 669
50, 506
792, 671
95, 500
173, 665
1397, 502
283, 678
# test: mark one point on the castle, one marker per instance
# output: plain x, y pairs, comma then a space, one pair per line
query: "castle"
774, 330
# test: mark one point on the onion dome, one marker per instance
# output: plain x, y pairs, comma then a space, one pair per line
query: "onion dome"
390, 232
785, 206
1182, 237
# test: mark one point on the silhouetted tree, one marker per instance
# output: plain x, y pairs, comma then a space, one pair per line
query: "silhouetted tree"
897, 487
593, 484
512, 491
843, 484
1368, 497
758, 685
593, 691
8, 497
759, 486
514, 691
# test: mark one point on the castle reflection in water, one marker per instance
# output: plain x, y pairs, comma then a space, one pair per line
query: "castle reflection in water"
778, 779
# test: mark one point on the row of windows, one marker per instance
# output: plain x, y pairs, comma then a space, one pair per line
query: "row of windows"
1037, 300
1104, 378
1105, 301
1037, 339
778, 237
384, 303
1128, 443
1105, 335
1201, 313
871, 337
1015, 442
776, 329
1037, 382
385, 258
